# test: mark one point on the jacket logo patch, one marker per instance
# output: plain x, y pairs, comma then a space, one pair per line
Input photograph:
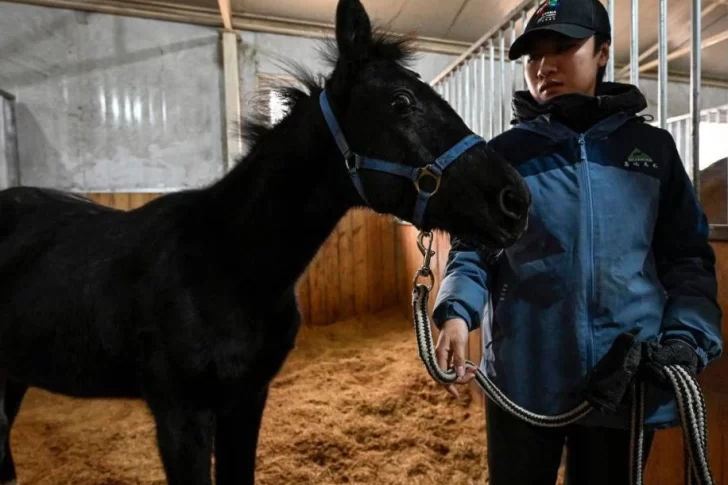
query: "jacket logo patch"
638, 158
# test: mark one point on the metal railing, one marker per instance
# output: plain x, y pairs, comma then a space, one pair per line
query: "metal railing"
679, 128
480, 83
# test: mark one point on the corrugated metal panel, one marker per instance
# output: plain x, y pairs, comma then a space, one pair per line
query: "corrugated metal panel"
112, 103
8, 142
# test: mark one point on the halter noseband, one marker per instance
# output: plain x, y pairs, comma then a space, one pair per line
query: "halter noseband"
354, 162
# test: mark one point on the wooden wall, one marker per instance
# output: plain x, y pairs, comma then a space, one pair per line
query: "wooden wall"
409, 259
666, 461
353, 273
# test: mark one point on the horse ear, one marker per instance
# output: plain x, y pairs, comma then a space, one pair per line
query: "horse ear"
353, 30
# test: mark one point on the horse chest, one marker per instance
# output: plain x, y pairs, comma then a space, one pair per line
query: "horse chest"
258, 347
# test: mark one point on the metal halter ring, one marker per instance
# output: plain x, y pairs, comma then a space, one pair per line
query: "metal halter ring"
427, 172
427, 274
351, 160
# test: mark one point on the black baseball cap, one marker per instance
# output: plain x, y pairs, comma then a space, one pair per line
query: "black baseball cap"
578, 19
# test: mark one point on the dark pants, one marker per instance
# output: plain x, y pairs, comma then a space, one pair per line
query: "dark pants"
523, 454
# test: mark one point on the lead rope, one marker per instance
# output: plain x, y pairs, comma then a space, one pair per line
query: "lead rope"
689, 397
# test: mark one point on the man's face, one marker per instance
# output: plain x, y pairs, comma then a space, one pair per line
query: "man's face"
556, 65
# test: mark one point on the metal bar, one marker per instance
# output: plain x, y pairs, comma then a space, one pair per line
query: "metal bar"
708, 42
482, 91
610, 62
491, 99
522, 77
468, 109
653, 48
513, 63
634, 51
231, 75
459, 93
483, 39
679, 135
695, 66
662, 58
450, 89
502, 65
476, 95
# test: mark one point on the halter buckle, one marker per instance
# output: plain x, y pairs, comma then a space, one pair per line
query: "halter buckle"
426, 171
351, 160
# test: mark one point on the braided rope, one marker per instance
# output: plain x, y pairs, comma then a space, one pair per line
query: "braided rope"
689, 397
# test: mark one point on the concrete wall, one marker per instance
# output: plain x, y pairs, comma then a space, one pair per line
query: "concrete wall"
114, 103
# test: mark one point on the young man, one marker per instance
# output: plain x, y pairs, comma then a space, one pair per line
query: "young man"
617, 241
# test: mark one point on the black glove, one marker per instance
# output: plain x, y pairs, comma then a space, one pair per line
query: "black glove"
610, 379
671, 352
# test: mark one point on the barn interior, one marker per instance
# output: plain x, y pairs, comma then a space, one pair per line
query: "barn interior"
124, 101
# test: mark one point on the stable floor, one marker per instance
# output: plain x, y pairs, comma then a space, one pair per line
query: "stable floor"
353, 405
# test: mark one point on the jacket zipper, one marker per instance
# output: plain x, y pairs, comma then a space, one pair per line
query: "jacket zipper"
591, 286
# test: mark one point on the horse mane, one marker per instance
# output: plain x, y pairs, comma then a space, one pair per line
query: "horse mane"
308, 85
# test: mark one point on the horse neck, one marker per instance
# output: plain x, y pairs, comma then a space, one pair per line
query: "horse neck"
284, 199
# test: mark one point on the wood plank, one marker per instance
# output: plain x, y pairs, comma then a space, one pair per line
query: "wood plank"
138, 199
303, 295
121, 200
346, 266
105, 199
330, 276
317, 288
362, 302
389, 273
375, 261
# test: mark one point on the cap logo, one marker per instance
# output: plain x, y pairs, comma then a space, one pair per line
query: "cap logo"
547, 11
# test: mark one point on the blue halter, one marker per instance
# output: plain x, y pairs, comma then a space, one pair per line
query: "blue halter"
354, 162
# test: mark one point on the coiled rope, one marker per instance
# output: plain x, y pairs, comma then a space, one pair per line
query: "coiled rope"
688, 394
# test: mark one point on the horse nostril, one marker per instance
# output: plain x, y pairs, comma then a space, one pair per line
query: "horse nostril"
511, 204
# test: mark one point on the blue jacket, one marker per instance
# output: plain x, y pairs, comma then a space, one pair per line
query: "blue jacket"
616, 240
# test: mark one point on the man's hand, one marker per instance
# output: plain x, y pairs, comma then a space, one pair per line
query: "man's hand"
450, 352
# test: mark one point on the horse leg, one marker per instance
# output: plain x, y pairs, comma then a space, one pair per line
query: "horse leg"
236, 440
12, 395
184, 438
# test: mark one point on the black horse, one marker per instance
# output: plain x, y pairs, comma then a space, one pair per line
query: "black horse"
188, 302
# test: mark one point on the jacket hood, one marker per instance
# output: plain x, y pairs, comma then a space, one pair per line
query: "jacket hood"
580, 111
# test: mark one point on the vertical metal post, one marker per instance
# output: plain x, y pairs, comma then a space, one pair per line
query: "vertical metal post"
634, 51
461, 93
513, 63
678, 137
476, 93
457, 75
482, 90
466, 95
610, 63
491, 98
524, 21
695, 79
450, 87
231, 74
502, 66
662, 70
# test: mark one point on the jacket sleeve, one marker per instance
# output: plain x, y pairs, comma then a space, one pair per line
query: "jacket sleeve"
686, 265
463, 292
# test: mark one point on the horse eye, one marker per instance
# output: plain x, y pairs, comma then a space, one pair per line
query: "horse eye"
402, 101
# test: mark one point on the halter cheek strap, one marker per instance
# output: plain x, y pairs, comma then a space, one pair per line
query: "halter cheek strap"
354, 162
